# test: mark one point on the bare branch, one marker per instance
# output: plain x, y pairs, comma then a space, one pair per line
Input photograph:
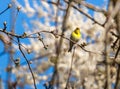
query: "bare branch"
27, 63
9, 6
87, 15
70, 70
92, 7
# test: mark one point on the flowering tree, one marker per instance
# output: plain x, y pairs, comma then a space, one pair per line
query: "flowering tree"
94, 62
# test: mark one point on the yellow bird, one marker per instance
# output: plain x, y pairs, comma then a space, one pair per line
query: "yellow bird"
75, 36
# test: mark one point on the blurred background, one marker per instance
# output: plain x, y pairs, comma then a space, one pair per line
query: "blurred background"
34, 43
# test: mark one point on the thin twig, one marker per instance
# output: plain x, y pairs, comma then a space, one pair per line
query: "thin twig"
56, 4
41, 39
10, 33
118, 50
17, 42
9, 6
70, 70
27, 63
87, 15
92, 7
115, 35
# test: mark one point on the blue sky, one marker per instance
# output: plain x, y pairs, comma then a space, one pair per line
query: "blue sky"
6, 16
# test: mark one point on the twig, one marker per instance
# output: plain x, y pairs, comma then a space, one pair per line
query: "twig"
70, 70
115, 35
56, 4
118, 50
64, 38
17, 42
114, 43
87, 15
41, 39
92, 7
9, 6
29, 36
10, 33
27, 63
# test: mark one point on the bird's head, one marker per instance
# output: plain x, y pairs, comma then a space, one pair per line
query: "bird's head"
77, 30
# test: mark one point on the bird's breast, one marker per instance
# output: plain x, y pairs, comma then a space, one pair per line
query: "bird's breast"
75, 36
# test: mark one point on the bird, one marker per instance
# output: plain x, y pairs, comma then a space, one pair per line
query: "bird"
75, 36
